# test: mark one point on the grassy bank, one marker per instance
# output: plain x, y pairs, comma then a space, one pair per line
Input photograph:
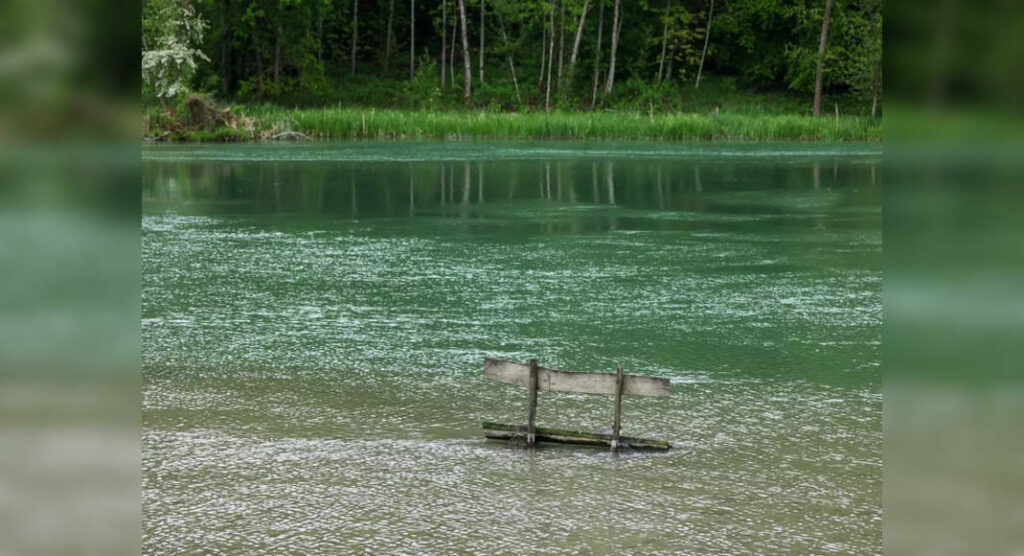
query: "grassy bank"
267, 122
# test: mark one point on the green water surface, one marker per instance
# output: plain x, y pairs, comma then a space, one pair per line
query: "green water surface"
315, 318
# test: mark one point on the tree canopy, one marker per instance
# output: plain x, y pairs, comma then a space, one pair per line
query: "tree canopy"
390, 52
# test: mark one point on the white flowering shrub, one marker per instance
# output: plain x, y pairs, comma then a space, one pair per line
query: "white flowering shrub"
175, 32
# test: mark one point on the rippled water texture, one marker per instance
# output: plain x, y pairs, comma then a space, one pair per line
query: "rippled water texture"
315, 320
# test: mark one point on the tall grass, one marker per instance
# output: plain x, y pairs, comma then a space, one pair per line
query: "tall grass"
356, 123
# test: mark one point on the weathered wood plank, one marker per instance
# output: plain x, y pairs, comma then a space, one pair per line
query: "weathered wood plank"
531, 403
617, 420
554, 380
500, 431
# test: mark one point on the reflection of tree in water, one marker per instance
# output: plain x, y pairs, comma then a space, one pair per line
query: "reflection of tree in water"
365, 190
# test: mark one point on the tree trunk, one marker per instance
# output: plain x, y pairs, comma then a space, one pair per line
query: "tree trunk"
616, 26
821, 57
561, 43
551, 62
597, 52
320, 38
467, 79
664, 40
259, 60
482, 41
444, 41
508, 56
875, 88
707, 35
224, 42
451, 57
576, 40
277, 53
355, 32
387, 39
668, 64
412, 39
543, 55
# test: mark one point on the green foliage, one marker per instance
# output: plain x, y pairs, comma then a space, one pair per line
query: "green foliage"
298, 53
424, 90
776, 43
638, 95
172, 32
857, 49
685, 39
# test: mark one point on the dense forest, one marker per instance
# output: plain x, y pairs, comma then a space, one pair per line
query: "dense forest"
517, 55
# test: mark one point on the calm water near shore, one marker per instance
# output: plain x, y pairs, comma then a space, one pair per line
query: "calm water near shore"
315, 318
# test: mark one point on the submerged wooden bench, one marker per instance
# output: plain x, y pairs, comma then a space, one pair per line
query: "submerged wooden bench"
535, 378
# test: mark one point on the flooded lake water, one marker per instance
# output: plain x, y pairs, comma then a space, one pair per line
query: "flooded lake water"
315, 318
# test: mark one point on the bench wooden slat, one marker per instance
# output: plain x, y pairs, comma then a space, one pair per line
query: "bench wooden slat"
554, 380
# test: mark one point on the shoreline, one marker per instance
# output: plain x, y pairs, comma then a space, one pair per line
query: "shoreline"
249, 123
